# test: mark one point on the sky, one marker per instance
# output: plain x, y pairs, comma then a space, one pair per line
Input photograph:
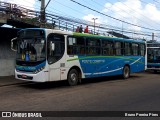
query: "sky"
144, 13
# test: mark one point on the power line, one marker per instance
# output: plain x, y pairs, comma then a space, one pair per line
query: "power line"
105, 7
156, 1
76, 18
137, 12
71, 21
47, 4
112, 17
52, 10
86, 22
108, 9
131, 14
146, 2
123, 11
69, 7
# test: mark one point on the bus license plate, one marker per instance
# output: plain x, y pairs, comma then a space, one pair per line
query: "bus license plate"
24, 76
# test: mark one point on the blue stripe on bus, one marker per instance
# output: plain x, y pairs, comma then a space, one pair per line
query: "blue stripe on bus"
30, 68
96, 67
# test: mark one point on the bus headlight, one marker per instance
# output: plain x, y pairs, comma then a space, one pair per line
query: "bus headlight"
38, 70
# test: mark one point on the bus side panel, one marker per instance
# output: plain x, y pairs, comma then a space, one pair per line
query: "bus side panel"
58, 70
138, 64
153, 66
73, 61
96, 66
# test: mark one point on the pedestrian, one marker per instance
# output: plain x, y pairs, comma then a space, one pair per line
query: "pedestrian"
16, 11
91, 32
81, 29
86, 29
77, 29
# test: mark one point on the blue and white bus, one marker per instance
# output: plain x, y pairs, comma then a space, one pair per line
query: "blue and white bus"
53, 55
153, 56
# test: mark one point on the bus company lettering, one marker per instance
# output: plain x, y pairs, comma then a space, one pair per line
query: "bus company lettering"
93, 61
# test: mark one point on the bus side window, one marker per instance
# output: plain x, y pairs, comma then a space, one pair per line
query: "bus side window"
127, 48
142, 49
82, 50
76, 45
93, 46
91, 51
134, 49
118, 48
107, 47
69, 50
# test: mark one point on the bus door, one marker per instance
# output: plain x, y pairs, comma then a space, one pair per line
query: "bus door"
55, 50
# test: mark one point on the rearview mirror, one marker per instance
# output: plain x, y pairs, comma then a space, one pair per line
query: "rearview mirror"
14, 44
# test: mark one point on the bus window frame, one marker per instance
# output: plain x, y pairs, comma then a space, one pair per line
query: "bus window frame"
144, 50
130, 44
93, 47
133, 49
112, 47
121, 49
48, 47
72, 53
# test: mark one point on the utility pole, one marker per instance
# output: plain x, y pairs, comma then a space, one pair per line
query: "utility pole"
94, 23
43, 17
43, 9
122, 29
152, 36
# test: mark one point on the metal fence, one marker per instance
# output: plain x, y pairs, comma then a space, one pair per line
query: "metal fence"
53, 21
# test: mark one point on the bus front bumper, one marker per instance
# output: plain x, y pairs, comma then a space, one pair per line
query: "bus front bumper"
41, 76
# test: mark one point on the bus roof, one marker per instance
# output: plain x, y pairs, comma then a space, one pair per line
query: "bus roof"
88, 35
108, 37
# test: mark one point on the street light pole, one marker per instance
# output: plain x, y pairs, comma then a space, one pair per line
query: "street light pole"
94, 23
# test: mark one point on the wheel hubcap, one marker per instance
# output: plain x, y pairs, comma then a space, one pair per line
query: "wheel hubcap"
126, 72
73, 77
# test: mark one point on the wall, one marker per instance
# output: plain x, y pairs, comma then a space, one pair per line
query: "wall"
7, 56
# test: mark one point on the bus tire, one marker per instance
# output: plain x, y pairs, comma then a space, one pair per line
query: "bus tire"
155, 71
72, 77
126, 72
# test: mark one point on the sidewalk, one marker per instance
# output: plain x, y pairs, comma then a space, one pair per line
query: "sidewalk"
8, 80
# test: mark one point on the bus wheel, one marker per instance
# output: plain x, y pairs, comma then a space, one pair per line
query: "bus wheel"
155, 71
72, 77
126, 72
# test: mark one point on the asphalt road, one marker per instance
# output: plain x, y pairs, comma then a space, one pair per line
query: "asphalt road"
141, 92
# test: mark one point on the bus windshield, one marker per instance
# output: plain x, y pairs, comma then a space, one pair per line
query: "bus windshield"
31, 45
153, 55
